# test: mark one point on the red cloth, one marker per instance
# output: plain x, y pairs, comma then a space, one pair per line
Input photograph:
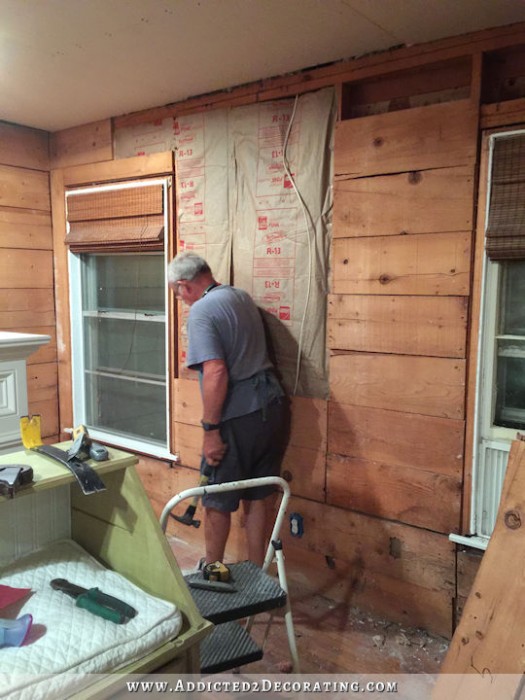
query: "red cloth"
9, 595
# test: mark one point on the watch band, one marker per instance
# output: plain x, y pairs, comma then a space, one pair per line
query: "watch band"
210, 426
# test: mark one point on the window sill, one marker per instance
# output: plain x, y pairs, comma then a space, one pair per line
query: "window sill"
135, 446
473, 541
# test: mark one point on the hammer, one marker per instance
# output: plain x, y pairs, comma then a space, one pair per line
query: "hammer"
187, 518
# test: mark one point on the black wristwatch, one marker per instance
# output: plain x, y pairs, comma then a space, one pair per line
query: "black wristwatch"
210, 426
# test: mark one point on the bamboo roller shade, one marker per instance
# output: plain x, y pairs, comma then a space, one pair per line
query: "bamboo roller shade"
120, 219
505, 236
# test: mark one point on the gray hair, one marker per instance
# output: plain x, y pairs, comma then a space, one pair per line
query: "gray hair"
187, 266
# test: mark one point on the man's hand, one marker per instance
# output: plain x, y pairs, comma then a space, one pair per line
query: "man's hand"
213, 448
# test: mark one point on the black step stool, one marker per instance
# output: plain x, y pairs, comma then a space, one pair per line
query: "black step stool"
229, 645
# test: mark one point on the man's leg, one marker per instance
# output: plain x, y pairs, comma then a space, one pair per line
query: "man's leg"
216, 531
257, 528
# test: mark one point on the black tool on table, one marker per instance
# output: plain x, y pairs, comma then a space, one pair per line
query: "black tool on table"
13, 476
96, 602
216, 586
84, 447
88, 479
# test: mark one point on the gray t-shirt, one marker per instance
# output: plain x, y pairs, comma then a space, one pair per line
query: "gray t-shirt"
226, 325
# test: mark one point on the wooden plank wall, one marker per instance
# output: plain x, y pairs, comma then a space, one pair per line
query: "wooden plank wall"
27, 302
377, 472
404, 187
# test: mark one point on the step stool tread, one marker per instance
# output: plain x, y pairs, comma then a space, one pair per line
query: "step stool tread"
228, 646
256, 592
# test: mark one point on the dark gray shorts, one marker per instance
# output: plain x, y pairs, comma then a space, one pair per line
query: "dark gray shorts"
255, 448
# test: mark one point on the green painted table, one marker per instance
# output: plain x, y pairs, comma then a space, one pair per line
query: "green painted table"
119, 527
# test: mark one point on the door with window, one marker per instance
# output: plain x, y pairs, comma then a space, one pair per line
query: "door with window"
501, 364
118, 301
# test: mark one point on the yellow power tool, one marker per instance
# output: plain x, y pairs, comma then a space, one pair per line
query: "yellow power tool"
216, 572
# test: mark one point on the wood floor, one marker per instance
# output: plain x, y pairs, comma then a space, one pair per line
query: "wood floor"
334, 638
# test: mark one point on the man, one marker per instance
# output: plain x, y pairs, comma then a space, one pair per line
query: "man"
244, 411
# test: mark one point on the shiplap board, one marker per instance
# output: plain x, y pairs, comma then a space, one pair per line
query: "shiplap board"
407, 553
423, 138
422, 264
405, 325
414, 496
305, 470
26, 269
24, 147
431, 386
24, 189
25, 228
352, 581
430, 201
392, 437
89, 143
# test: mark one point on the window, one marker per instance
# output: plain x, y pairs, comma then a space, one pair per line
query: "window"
501, 364
502, 383
119, 331
509, 408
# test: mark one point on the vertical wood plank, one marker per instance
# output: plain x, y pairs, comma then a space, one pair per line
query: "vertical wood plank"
475, 332
62, 299
487, 641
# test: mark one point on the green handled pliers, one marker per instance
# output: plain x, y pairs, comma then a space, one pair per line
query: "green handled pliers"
96, 602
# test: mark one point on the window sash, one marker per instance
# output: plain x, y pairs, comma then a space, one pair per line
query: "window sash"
123, 347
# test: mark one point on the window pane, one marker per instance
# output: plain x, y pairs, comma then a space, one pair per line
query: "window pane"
510, 392
513, 298
124, 282
126, 407
131, 347
124, 335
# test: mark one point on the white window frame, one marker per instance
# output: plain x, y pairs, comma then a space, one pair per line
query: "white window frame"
488, 438
488, 357
77, 345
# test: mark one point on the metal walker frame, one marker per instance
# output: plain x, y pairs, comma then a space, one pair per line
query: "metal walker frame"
274, 550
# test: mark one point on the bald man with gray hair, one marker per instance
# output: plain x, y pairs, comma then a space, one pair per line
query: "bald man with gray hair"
245, 413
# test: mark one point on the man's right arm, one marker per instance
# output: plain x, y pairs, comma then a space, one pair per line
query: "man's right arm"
214, 387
